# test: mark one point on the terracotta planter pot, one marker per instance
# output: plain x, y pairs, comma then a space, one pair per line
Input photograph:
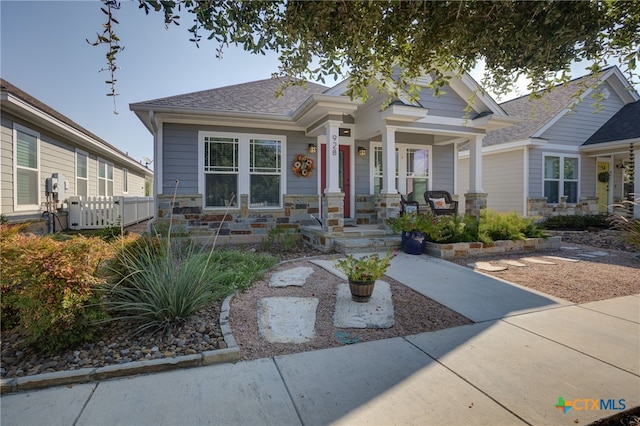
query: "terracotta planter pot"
361, 291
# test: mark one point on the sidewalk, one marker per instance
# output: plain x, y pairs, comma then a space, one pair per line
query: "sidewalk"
524, 352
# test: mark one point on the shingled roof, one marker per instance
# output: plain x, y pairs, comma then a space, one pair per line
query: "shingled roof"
622, 126
535, 113
253, 97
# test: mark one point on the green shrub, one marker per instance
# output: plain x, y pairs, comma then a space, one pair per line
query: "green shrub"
110, 233
50, 288
279, 240
438, 229
576, 222
495, 226
161, 283
449, 229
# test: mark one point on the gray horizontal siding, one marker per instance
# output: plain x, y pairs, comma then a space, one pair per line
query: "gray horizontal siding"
535, 173
503, 181
297, 143
6, 159
577, 126
362, 168
449, 104
180, 157
57, 157
443, 169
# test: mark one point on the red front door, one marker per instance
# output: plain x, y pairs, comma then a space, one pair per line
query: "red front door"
344, 175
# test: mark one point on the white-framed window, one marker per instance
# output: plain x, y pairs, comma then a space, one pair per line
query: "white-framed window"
82, 174
125, 181
26, 148
234, 164
105, 178
413, 170
561, 177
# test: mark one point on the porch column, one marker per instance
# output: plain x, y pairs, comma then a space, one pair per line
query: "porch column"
476, 198
333, 197
475, 165
389, 204
332, 157
389, 161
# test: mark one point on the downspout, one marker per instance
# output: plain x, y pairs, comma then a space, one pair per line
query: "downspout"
152, 119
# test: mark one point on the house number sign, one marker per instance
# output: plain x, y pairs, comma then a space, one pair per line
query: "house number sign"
334, 146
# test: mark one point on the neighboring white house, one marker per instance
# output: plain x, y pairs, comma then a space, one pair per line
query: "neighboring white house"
47, 158
567, 155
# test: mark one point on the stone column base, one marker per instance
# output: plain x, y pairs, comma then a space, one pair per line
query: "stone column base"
387, 206
474, 202
333, 212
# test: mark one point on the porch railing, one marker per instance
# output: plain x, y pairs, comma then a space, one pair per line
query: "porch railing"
101, 212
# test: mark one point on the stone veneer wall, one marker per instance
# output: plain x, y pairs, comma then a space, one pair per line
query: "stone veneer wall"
366, 210
245, 225
450, 251
539, 207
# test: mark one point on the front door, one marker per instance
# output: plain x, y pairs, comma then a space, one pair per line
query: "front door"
344, 175
602, 186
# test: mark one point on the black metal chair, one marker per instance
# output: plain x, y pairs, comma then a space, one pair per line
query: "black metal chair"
441, 203
407, 206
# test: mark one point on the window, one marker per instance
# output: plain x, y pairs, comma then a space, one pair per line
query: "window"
242, 164
105, 179
125, 181
27, 172
412, 170
82, 174
561, 178
265, 168
417, 173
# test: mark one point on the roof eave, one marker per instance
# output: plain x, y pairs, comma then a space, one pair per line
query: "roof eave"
25, 110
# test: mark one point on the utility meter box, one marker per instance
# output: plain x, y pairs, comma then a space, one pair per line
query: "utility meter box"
57, 186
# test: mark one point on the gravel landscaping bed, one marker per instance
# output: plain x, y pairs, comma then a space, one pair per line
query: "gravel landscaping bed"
585, 281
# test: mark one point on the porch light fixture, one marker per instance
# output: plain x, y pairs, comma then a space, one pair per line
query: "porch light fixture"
312, 148
362, 151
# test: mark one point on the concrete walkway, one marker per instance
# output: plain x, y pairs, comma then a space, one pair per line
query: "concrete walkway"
525, 351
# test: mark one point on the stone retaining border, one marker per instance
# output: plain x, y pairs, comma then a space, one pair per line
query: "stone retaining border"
450, 251
85, 375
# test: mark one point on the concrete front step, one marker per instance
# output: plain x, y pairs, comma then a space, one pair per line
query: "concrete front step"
367, 245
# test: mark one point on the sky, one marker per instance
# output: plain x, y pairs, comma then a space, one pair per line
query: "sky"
44, 52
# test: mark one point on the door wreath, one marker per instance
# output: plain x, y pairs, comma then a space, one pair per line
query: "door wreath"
603, 176
302, 165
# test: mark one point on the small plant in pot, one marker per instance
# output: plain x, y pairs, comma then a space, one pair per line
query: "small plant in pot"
362, 273
414, 231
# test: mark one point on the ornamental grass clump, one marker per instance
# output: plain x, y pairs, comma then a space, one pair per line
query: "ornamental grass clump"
366, 268
159, 283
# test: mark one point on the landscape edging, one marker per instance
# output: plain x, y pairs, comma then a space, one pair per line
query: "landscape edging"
84, 375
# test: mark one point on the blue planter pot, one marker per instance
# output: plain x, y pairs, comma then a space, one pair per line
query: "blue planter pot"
413, 242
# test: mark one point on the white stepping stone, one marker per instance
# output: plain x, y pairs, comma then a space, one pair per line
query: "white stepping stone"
569, 248
590, 256
287, 319
513, 263
294, 276
376, 313
598, 253
538, 261
564, 259
486, 266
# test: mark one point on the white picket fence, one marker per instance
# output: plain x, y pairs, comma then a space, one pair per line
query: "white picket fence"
101, 212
